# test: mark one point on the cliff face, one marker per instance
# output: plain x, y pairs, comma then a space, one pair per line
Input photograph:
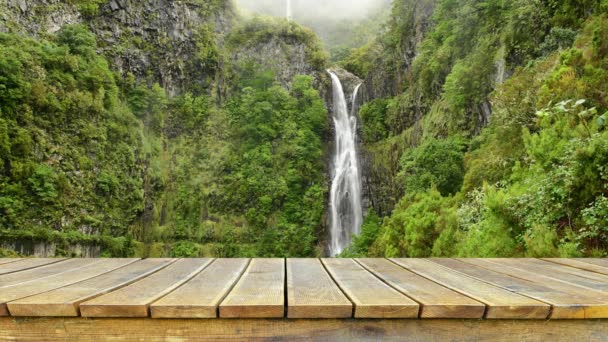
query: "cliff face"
154, 40
195, 51
386, 79
387, 76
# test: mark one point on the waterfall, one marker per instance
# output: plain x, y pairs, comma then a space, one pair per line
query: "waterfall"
346, 214
289, 14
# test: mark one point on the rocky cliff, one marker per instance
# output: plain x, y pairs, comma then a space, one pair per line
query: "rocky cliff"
172, 43
387, 76
197, 51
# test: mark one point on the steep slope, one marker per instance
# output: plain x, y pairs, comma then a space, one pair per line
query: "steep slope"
464, 129
126, 125
175, 44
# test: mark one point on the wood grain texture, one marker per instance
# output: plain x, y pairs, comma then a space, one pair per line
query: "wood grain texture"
550, 272
580, 264
599, 261
134, 300
89, 270
64, 301
500, 303
437, 301
372, 297
373, 330
9, 260
260, 293
568, 301
201, 295
25, 264
42, 272
311, 293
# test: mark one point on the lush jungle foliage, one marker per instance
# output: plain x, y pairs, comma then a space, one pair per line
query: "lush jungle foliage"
529, 179
488, 137
91, 158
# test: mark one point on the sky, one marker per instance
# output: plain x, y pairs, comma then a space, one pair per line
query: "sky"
335, 10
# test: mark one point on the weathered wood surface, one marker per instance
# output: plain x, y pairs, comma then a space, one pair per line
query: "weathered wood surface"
11, 266
260, 293
500, 303
437, 301
64, 301
311, 293
134, 300
295, 289
567, 302
9, 260
201, 296
599, 262
372, 297
373, 330
39, 273
580, 264
551, 272
77, 274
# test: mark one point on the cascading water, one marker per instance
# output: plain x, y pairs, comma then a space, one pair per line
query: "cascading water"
289, 14
346, 213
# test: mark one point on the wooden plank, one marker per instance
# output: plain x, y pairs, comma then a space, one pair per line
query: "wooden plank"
91, 269
64, 301
260, 293
134, 300
372, 297
26, 264
437, 301
372, 330
568, 301
500, 303
42, 272
580, 264
200, 297
311, 293
551, 272
9, 260
597, 261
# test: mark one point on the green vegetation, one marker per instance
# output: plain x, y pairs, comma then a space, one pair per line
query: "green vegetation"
264, 29
93, 159
88, 7
489, 137
530, 179
69, 146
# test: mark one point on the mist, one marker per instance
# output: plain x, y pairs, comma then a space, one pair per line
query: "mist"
308, 10
341, 24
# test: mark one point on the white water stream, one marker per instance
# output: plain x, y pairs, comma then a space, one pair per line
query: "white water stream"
289, 13
346, 213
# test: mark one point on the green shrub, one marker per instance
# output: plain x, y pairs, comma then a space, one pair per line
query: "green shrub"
438, 163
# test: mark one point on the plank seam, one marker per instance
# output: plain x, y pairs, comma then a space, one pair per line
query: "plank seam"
579, 272
285, 296
219, 303
500, 287
72, 269
586, 261
33, 267
552, 261
420, 305
169, 290
486, 305
354, 305
138, 278
18, 259
551, 278
52, 275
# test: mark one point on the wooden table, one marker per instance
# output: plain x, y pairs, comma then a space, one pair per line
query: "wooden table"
322, 299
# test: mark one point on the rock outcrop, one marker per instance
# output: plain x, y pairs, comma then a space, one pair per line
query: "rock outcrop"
154, 40
387, 76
